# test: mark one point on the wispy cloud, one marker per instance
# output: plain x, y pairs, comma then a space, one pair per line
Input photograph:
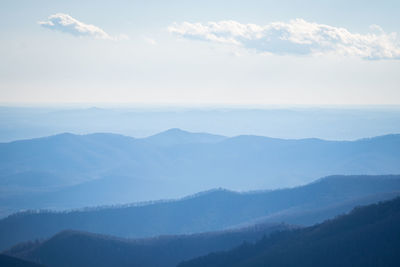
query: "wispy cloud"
295, 37
65, 23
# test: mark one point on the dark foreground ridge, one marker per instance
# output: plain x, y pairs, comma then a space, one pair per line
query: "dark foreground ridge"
8, 261
81, 249
368, 236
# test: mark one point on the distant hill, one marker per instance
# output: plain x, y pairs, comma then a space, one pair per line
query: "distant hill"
340, 123
72, 171
209, 211
368, 236
80, 249
8, 261
177, 136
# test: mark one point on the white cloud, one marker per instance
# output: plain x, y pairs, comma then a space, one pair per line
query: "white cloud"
65, 23
295, 37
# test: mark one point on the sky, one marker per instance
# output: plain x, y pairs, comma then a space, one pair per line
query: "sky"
200, 52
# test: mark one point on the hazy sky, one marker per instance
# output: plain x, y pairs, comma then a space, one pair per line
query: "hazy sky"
200, 52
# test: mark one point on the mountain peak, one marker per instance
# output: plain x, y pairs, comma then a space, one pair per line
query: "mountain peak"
176, 136
174, 131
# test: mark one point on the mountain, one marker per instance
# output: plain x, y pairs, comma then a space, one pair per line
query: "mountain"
73, 248
73, 171
65, 158
368, 236
8, 261
344, 123
208, 211
304, 215
177, 136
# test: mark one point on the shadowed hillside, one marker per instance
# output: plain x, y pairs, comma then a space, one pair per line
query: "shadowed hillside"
71, 248
8, 261
368, 236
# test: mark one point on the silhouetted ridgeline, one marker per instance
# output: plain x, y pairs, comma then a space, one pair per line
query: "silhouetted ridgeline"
72, 248
210, 211
368, 236
74, 171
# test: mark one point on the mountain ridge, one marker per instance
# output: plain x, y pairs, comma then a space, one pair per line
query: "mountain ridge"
210, 211
367, 236
76, 248
62, 171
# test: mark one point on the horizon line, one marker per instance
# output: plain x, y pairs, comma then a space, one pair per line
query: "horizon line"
141, 105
